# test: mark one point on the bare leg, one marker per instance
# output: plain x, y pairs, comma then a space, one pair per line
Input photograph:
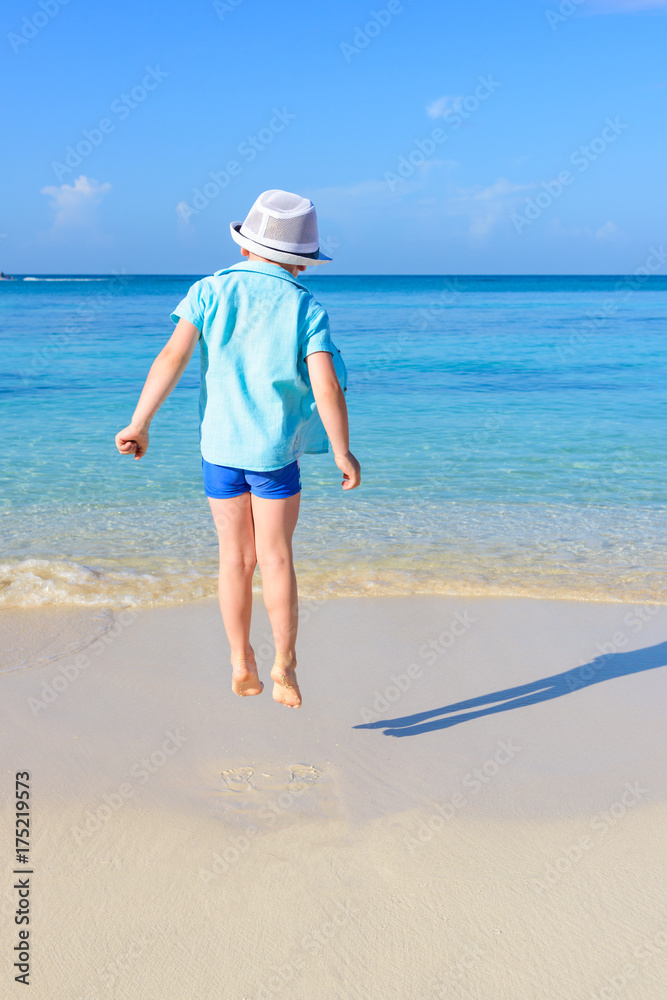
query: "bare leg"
275, 521
236, 538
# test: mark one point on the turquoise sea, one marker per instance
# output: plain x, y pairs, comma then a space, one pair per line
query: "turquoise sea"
510, 430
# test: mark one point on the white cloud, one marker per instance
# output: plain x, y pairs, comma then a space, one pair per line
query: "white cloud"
443, 106
603, 233
606, 232
501, 188
75, 204
367, 194
342, 199
183, 211
425, 199
362, 189
485, 206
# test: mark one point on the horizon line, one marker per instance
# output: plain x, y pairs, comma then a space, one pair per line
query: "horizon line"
424, 274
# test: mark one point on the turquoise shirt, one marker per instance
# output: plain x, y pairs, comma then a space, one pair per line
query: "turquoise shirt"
258, 324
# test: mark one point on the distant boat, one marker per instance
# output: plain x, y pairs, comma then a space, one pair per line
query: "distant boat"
6, 277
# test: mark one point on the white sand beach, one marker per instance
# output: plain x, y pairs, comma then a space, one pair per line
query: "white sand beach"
191, 845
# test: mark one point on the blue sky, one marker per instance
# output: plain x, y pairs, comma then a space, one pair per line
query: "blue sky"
547, 154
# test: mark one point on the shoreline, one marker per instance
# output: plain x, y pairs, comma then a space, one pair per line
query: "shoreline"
34, 584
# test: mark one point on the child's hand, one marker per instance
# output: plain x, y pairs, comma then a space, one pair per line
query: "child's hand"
132, 441
351, 470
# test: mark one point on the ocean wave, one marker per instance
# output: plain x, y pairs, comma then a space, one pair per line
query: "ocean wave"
66, 279
32, 583
43, 583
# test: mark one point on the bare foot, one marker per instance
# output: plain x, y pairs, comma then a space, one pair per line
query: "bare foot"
244, 675
285, 688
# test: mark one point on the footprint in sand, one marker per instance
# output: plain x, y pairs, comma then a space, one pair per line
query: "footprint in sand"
302, 775
239, 779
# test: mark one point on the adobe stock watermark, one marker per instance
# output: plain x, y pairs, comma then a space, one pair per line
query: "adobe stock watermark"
86, 311
329, 244
428, 651
422, 319
34, 23
618, 462
381, 360
635, 620
565, 10
248, 150
472, 783
623, 289
440, 987
581, 158
265, 652
487, 427
426, 316
122, 107
97, 815
112, 973
363, 36
225, 7
645, 951
601, 823
423, 148
69, 672
223, 859
311, 944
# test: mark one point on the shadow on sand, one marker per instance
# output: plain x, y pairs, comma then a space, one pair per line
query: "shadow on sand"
603, 668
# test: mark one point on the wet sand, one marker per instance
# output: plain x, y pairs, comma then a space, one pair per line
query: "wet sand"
470, 803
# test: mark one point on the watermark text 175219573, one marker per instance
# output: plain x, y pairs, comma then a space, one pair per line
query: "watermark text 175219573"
21, 950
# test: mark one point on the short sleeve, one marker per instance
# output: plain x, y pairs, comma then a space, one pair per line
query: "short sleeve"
193, 306
316, 336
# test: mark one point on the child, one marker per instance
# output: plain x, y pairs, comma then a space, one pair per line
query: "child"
272, 386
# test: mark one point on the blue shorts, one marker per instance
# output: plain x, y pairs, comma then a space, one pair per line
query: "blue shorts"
223, 481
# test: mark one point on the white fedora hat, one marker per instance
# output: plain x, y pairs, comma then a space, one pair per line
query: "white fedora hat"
281, 226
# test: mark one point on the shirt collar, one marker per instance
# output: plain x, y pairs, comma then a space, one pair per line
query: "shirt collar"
263, 267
